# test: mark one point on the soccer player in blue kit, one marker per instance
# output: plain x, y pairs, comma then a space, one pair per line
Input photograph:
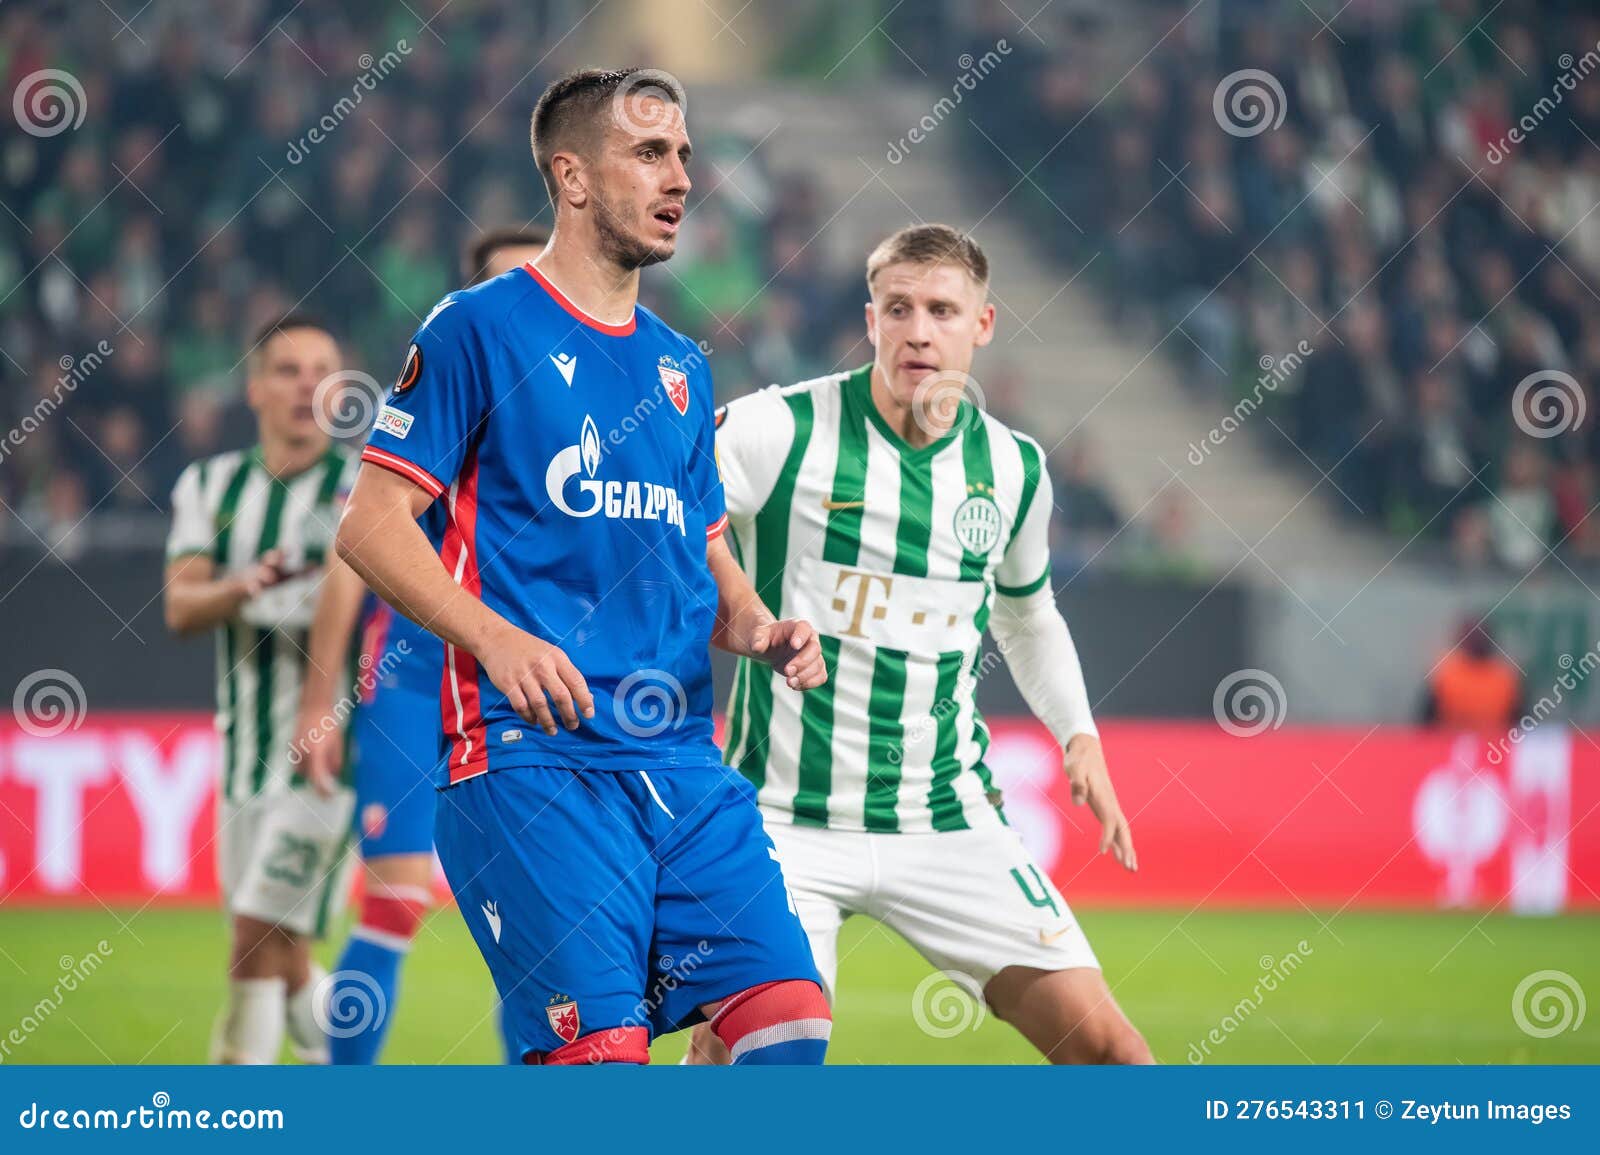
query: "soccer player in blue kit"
594, 841
394, 740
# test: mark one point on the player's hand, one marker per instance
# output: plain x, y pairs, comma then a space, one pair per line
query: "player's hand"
536, 676
318, 752
792, 648
1085, 764
267, 572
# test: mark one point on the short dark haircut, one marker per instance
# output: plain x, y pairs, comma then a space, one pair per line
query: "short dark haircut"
475, 259
930, 245
572, 108
283, 324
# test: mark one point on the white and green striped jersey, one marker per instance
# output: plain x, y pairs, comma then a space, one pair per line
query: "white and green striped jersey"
230, 509
893, 553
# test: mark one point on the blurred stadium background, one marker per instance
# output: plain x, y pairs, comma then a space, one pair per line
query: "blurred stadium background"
1304, 298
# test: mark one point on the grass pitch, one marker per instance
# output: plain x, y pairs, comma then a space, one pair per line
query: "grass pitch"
1367, 988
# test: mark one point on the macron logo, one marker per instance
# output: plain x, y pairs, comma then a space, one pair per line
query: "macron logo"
566, 364
491, 911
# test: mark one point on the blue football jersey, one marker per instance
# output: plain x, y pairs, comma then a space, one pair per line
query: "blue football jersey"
575, 466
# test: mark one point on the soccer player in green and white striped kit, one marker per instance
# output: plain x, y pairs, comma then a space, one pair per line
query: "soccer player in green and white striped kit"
904, 521
251, 530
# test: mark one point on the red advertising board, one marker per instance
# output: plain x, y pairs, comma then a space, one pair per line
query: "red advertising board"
121, 809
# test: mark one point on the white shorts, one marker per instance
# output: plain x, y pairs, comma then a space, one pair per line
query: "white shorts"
969, 901
283, 857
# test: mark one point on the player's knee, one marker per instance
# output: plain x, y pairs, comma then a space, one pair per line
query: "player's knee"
617, 1045
780, 1022
1103, 1044
392, 917
1126, 1047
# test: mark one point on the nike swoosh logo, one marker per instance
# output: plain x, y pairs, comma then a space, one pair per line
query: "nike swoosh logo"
1047, 939
829, 503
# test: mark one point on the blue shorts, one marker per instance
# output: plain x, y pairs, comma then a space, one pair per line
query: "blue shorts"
608, 899
396, 741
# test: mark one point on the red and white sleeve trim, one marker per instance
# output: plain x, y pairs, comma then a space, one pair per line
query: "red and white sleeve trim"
409, 470
715, 528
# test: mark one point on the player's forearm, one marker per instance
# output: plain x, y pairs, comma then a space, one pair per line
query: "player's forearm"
1043, 661
381, 541
332, 630
740, 609
192, 606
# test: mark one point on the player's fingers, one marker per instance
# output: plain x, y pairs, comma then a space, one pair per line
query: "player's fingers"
561, 697
518, 699
1126, 854
808, 675
542, 717
760, 637
808, 654
581, 697
800, 635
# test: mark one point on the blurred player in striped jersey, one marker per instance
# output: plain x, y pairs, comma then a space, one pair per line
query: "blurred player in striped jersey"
904, 521
395, 739
251, 531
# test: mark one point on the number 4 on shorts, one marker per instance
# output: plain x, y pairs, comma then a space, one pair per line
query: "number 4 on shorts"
1043, 898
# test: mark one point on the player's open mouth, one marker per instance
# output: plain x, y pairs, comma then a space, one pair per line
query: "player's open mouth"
919, 367
670, 217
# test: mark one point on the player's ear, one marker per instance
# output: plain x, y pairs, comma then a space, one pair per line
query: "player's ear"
872, 325
568, 170
985, 332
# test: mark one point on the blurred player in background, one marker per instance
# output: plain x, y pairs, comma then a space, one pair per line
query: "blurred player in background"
251, 531
905, 520
594, 846
396, 737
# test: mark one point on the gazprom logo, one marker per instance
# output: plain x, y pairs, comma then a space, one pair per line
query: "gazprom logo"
576, 467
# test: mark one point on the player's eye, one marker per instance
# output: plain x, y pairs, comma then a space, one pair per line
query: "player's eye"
648, 154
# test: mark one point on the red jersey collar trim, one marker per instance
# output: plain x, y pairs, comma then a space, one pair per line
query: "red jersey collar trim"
623, 330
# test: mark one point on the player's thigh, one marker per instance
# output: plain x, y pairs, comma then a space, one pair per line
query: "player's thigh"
553, 875
395, 743
298, 872
826, 873
238, 825
1070, 1015
723, 914
975, 902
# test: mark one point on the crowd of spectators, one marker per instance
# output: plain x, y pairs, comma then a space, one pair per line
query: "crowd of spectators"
1423, 217
235, 160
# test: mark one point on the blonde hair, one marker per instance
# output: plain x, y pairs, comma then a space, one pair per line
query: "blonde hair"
929, 245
